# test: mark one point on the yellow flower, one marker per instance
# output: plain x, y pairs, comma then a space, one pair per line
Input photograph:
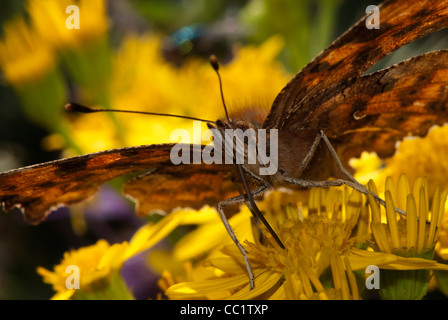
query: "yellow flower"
318, 261
415, 157
23, 56
321, 249
94, 262
49, 19
412, 236
422, 158
314, 239
84, 51
152, 233
100, 263
30, 66
367, 167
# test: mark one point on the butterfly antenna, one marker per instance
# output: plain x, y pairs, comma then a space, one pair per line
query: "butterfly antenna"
215, 66
75, 107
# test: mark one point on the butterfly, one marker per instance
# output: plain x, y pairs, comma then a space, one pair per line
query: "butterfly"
328, 113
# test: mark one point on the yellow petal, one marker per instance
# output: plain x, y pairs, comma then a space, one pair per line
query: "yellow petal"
226, 264
279, 294
263, 283
392, 219
411, 222
63, 295
415, 264
380, 234
423, 214
204, 215
360, 259
150, 234
213, 235
402, 192
115, 256
201, 240
434, 218
200, 288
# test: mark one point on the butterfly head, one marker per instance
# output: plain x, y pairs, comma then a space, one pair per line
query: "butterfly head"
238, 124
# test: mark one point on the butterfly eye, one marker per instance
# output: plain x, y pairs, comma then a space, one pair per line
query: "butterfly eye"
358, 115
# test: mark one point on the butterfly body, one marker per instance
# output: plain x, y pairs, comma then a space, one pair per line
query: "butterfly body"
293, 146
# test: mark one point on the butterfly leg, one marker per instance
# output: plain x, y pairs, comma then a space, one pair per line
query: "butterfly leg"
356, 185
309, 155
233, 201
336, 158
253, 208
352, 182
337, 183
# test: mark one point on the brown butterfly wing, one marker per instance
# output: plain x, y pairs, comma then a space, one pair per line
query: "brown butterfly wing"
188, 186
40, 188
353, 53
374, 111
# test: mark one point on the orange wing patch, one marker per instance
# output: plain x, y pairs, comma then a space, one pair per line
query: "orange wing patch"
353, 53
38, 189
373, 112
188, 186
